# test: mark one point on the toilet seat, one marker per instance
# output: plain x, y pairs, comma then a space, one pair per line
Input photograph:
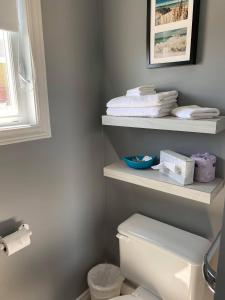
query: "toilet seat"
127, 297
139, 294
133, 297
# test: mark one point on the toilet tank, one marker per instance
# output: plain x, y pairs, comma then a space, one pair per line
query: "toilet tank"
163, 259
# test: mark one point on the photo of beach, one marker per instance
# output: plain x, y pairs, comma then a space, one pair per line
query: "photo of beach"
169, 11
170, 43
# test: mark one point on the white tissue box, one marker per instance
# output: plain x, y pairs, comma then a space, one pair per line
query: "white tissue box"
178, 167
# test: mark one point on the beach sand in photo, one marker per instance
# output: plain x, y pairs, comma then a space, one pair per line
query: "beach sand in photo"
171, 11
171, 43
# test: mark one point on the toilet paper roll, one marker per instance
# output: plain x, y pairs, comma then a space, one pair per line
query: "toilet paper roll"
17, 240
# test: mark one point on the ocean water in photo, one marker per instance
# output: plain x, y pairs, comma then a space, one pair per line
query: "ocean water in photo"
160, 3
164, 36
170, 43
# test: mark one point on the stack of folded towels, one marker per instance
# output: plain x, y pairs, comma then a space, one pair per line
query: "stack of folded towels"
143, 102
195, 112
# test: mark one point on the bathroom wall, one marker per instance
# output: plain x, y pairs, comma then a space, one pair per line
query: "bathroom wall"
124, 37
56, 185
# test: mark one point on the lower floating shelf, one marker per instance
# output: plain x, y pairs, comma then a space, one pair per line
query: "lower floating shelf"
152, 179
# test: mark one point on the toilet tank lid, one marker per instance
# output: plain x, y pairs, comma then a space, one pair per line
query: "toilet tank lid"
186, 245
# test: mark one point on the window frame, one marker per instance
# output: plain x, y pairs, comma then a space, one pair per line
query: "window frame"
15, 133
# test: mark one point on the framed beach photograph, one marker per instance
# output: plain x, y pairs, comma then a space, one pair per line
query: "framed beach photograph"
172, 32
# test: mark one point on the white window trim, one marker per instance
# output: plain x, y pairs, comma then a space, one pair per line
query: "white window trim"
21, 133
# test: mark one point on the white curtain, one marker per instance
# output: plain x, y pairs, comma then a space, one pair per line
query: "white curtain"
13, 17
8, 15
26, 70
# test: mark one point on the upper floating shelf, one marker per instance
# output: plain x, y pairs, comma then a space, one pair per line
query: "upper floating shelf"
208, 126
152, 179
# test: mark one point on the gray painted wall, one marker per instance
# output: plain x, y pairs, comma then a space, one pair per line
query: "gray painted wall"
55, 185
124, 36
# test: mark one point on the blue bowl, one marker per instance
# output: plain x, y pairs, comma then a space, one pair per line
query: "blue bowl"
136, 162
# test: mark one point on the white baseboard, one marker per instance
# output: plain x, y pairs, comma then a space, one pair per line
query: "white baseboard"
84, 296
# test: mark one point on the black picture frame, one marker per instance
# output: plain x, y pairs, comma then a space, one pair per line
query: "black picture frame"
194, 39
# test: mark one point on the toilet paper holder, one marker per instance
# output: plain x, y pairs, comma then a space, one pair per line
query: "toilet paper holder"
19, 240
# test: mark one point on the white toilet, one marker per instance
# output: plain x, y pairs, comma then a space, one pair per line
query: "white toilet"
164, 262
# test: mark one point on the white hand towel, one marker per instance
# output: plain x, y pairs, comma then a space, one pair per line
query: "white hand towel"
195, 112
144, 93
143, 101
142, 88
152, 112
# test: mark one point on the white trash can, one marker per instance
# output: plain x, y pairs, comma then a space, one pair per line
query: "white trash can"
105, 282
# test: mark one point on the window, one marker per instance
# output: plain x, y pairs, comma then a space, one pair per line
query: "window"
24, 113
8, 97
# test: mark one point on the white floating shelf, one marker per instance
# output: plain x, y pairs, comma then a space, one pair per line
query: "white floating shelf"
152, 179
209, 126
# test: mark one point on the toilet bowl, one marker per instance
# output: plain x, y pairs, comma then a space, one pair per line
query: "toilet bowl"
163, 261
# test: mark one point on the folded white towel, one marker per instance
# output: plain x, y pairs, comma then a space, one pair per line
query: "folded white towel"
143, 101
195, 112
152, 112
143, 88
141, 93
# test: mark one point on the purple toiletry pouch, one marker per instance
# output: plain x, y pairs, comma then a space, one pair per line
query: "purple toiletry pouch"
205, 167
